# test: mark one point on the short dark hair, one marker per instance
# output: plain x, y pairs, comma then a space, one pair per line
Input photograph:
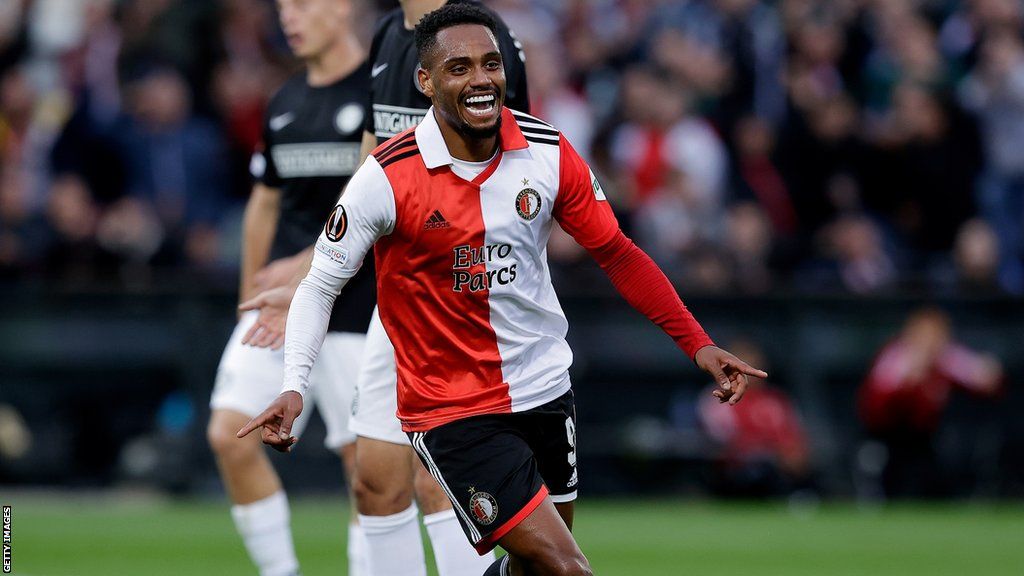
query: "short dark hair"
451, 14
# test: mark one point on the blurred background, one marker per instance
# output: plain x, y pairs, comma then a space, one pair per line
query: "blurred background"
836, 188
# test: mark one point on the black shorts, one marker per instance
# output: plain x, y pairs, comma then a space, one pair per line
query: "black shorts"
497, 468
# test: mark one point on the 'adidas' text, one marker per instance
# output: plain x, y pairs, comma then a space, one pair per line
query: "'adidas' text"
435, 221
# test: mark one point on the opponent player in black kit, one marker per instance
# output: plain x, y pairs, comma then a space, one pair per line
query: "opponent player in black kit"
384, 483
311, 146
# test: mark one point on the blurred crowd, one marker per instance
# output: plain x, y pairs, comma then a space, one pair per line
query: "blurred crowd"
906, 403
749, 146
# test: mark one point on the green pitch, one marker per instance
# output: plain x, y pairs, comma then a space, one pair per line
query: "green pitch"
114, 536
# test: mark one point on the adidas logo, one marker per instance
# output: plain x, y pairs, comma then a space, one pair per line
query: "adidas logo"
435, 221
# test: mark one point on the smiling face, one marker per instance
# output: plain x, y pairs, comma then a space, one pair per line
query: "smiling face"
464, 78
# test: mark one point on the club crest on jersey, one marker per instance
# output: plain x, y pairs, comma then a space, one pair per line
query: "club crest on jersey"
348, 118
484, 508
337, 224
528, 202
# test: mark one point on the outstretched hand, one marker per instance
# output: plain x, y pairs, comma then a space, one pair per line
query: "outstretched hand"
729, 372
276, 422
268, 331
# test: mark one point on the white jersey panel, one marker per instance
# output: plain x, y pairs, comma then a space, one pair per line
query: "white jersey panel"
517, 202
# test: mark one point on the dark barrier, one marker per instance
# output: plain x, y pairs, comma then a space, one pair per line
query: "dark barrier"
112, 388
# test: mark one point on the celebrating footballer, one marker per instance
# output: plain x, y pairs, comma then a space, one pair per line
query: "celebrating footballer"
459, 210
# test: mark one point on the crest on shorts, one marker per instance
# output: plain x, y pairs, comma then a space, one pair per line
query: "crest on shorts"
337, 224
483, 507
528, 202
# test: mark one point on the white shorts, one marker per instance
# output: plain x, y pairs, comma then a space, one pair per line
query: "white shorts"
375, 408
249, 378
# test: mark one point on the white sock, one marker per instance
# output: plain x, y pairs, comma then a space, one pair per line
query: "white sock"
266, 531
357, 551
394, 546
454, 554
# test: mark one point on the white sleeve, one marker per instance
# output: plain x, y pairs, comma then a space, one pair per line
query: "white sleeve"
365, 212
304, 333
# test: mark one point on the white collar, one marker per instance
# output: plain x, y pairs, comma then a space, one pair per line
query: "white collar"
430, 142
434, 150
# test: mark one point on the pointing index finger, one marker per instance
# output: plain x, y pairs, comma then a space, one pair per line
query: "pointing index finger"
747, 369
249, 427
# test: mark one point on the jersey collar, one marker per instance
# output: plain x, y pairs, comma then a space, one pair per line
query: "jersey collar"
435, 153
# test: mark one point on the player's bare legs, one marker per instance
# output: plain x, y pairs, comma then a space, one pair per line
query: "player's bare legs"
383, 493
383, 482
250, 478
260, 509
244, 466
388, 477
356, 538
542, 544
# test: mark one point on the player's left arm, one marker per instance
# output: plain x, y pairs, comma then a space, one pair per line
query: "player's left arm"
583, 211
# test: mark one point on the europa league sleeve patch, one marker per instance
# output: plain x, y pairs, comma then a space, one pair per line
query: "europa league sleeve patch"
337, 224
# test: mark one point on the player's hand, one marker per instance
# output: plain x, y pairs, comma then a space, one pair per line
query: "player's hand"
729, 372
276, 422
268, 330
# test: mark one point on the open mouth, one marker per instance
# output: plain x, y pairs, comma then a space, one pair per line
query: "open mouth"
481, 105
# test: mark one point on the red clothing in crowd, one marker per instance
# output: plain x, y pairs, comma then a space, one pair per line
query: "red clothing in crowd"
899, 394
764, 425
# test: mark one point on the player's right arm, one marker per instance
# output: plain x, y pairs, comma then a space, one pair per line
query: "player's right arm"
268, 331
364, 213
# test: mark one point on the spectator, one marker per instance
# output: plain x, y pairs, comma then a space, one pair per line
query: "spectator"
175, 163
856, 258
995, 92
730, 51
908, 53
818, 145
552, 100
907, 390
72, 253
932, 160
976, 256
672, 221
762, 446
756, 175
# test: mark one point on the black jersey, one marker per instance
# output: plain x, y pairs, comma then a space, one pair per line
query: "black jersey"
311, 141
396, 99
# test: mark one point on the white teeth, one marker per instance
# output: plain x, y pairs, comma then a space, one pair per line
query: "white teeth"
480, 99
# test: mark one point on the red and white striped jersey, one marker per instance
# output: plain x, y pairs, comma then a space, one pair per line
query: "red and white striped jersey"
464, 288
